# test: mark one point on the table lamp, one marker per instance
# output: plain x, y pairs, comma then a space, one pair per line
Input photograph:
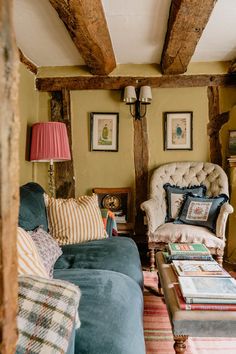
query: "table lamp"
49, 143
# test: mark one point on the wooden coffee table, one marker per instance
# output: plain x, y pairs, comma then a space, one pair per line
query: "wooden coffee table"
187, 323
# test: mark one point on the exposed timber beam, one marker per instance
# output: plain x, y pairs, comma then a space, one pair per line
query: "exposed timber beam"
86, 24
187, 20
64, 171
29, 65
216, 121
9, 184
119, 82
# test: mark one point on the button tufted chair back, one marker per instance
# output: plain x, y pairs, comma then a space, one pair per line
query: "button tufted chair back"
186, 174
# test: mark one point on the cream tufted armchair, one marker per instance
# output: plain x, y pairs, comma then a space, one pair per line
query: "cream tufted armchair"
185, 174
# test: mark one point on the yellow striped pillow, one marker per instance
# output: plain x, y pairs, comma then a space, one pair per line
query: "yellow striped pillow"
75, 220
29, 261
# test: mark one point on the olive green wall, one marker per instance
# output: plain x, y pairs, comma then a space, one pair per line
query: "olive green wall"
116, 169
30, 108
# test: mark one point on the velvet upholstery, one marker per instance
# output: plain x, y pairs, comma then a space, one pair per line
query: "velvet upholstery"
119, 254
32, 212
110, 311
109, 275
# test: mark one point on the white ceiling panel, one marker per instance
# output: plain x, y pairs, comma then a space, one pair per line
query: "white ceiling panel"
218, 41
42, 36
137, 29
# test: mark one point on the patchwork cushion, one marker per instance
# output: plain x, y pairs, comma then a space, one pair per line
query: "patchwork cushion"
75, 220
29, 261
47, 247
171, 232
175, 196
201, 211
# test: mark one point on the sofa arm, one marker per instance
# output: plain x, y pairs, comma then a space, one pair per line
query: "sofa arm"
153, 213
225, 210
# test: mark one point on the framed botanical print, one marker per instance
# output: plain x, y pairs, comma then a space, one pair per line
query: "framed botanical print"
104, 131
178, 130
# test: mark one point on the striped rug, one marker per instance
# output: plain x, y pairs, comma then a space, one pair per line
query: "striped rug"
157, 328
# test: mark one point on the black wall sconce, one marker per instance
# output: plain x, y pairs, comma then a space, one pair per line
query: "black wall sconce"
137, 106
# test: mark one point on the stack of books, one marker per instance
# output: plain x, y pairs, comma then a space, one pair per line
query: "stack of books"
202, 284
188, 251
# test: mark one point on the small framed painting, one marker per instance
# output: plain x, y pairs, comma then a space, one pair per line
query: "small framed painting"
178, 131
232, 142
104, 131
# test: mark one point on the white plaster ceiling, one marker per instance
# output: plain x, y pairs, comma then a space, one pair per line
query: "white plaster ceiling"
137, 29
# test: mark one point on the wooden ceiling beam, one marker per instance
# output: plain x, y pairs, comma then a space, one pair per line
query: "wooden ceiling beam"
119, 82
86, 23
29, 65
187, 20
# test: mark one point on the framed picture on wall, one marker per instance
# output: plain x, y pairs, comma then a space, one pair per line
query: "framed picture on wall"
232, 142
104, 131
178, 131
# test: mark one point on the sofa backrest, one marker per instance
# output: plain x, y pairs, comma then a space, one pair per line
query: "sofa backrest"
32, 211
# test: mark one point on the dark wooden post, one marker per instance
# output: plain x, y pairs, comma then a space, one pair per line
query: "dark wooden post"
216, 120
64, 171
141, 171
9, 130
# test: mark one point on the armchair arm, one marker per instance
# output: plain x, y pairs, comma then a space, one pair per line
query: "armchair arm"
154, 214
225, 210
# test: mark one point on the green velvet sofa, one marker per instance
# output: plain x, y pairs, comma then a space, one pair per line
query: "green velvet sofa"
109, 275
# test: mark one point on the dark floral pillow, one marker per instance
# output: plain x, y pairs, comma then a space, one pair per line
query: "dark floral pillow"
201, 211
175, 197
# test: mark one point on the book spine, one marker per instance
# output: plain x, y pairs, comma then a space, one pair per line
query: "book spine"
190, 257
201, 306
212, 307
204, 300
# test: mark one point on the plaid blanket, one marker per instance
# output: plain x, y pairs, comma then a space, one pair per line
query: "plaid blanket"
46, 316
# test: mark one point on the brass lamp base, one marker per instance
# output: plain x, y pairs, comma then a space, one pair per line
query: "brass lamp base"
51, 180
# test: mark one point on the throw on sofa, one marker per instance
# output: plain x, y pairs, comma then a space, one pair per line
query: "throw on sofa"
109, 275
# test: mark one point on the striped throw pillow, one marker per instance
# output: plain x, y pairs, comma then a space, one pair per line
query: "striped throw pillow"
75, 220
29, 261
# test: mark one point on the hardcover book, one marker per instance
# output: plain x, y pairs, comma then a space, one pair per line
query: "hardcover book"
206, 306
208, 287
188, 248
185, 256
198, 268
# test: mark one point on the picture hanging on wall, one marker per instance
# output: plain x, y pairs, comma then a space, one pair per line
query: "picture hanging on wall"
178, 131
104, 131
232, 142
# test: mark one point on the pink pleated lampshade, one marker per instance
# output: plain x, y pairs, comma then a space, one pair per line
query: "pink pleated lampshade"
49, 142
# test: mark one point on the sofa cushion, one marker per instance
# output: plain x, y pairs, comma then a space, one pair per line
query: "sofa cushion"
201, 211
171, 232
175, 197
32, 212
119, 254
47, 247
29, 261
111, 312
75, 220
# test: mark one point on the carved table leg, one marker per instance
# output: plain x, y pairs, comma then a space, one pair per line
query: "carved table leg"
179, 345
152, 259
219, 259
